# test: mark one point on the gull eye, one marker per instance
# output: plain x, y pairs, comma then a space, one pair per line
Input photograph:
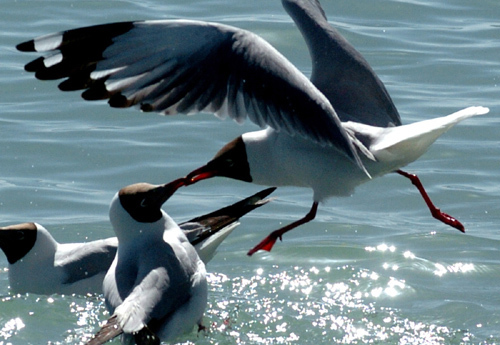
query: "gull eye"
143, 203
20, 235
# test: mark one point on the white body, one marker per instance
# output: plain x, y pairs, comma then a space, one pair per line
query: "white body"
48, 266
278, 159
156, 273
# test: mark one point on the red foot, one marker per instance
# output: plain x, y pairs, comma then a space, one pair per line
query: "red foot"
447, 219
266, 244
436, 212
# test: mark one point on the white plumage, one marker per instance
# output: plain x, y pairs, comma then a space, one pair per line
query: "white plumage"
156, 286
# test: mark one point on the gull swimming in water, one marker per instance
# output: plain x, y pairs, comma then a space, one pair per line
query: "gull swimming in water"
156, 288
39, 264
330, 133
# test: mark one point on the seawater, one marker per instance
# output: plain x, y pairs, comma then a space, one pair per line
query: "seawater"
372, 268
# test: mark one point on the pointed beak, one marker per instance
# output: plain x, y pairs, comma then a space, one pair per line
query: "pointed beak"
199, 174
167, 190
160, 194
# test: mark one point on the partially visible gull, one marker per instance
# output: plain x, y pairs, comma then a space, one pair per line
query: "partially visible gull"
39, 264
330, 133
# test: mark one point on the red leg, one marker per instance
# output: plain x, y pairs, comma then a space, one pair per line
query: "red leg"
436, 212
268, 242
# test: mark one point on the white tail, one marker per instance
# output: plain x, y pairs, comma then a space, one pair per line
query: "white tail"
407, 143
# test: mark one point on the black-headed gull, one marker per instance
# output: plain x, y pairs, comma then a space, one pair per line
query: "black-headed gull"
156, 287
39, 264
331, 133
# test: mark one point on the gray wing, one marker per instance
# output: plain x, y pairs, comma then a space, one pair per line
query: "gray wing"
181, 66
193, 230
88, 259
340, 72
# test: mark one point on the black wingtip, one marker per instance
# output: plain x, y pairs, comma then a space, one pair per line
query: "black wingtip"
217, 220
35, 65
226, 215
119, 101
28, 46
265, 192
147, 108
97, 92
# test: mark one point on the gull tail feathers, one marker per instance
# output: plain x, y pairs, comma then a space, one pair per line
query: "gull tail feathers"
414, 139
404, 144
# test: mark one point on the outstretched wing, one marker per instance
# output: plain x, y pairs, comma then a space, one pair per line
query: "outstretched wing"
340, 72
211, 223
207, 232
182, 66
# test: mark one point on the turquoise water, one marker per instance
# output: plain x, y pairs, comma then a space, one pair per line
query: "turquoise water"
372, 268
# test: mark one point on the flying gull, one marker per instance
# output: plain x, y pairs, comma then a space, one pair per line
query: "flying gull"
330, 133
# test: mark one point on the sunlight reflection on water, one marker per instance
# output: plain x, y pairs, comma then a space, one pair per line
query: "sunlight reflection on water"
11, 327
277, 306
307, 306
63, 159
292, 307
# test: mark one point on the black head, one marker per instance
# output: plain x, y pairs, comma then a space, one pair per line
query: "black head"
17, 240
143, 201
231, 161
